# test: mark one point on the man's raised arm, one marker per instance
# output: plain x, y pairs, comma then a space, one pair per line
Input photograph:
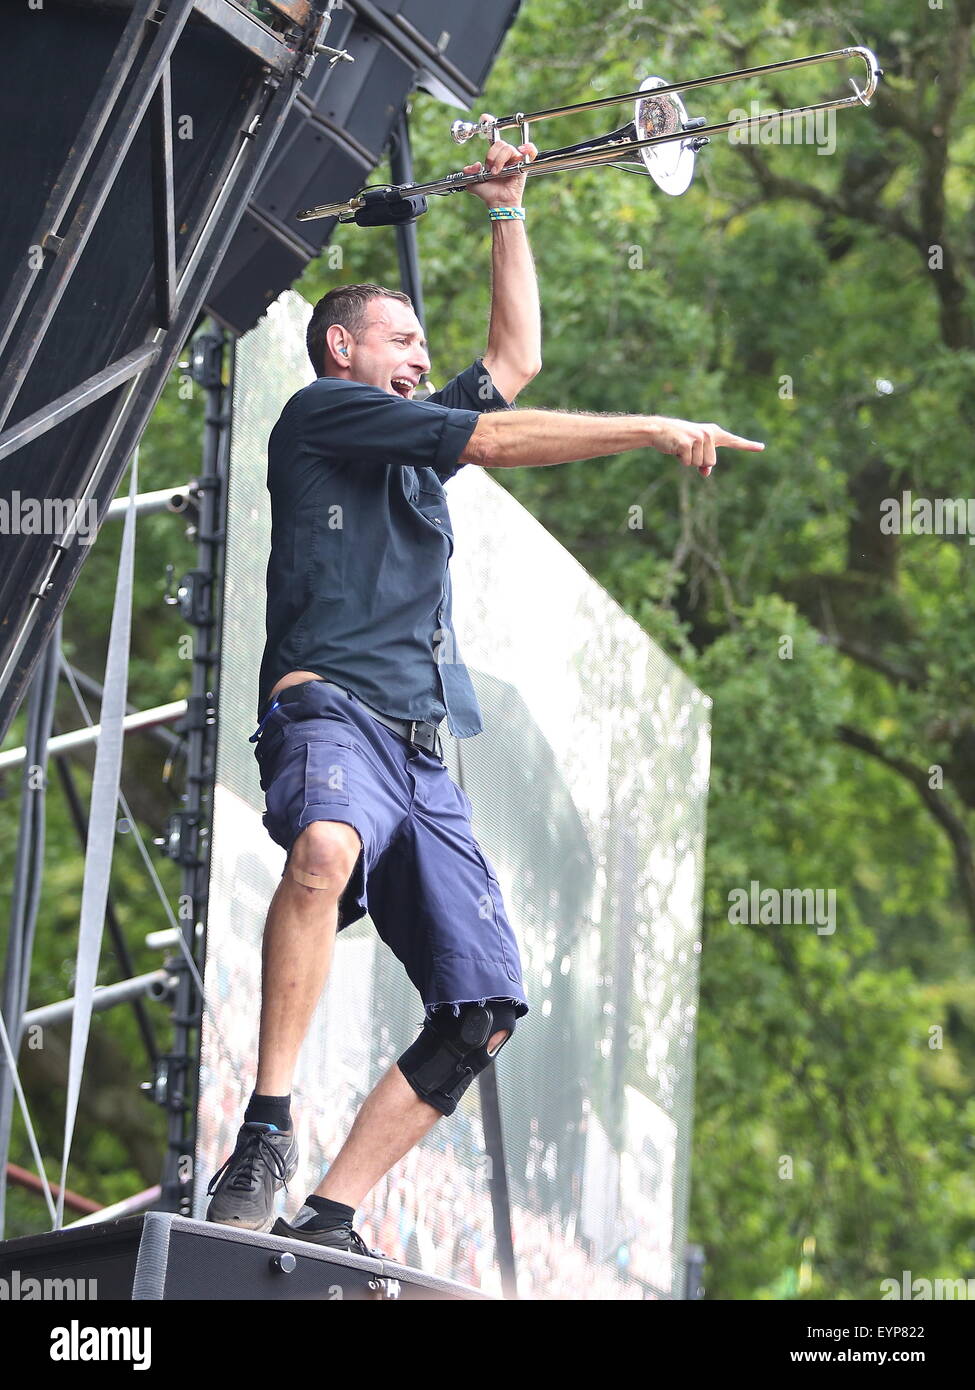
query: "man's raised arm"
535, 438
514, 350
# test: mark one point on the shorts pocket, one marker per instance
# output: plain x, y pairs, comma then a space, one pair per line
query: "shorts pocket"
326, 772
492, 875
491, 908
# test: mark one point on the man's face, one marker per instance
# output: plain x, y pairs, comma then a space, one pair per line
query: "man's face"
391, 351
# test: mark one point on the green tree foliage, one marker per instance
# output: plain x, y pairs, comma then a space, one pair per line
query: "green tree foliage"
819, 300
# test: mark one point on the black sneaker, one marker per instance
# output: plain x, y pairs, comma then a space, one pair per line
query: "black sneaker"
244, 1187
338, 1237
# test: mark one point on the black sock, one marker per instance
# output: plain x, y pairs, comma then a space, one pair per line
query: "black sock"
326, 1213
269, 1110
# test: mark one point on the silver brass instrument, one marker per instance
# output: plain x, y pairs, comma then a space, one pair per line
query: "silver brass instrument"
661, 141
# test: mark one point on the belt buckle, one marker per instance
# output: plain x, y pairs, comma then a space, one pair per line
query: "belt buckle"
436, 749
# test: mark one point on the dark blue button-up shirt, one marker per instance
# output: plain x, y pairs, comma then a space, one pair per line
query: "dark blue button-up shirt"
358, 584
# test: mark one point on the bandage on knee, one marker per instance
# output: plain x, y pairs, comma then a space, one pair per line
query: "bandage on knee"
311, 880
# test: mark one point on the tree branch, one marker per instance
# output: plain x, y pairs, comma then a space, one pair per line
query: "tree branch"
866, 657
935, 802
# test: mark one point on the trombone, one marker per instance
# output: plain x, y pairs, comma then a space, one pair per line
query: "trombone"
661, 136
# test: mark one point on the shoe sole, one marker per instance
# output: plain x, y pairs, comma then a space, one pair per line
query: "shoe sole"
238, 1225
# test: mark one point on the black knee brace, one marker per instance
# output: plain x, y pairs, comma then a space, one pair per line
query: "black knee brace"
450, 1051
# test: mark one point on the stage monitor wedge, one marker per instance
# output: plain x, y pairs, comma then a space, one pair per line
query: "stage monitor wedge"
161, 1256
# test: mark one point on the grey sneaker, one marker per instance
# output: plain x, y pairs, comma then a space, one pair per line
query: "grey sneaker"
244, 1187
341, 1236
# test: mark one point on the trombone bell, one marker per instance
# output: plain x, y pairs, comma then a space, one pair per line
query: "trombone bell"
670, 165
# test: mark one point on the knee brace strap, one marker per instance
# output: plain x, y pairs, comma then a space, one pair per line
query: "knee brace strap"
310, 880
450, 1051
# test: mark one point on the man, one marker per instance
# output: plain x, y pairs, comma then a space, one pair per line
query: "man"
360, 669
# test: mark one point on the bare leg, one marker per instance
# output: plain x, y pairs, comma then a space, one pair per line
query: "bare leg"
391, 1119
299, 940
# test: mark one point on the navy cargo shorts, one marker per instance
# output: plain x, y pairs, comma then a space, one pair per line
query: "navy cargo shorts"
430, 890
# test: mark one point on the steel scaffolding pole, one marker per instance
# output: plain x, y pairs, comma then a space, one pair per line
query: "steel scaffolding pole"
189, 840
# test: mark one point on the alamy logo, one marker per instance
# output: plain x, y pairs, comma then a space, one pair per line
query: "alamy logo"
758, 127
18, 1290
49, 516
908, 515
919, 1290
766, 907
77, 1343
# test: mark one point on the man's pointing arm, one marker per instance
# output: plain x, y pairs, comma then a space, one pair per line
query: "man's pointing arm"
534, 438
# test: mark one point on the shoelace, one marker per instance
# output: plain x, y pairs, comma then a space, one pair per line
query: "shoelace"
252, 1149
358, 1244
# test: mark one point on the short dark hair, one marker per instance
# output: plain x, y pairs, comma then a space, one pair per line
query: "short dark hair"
345, 305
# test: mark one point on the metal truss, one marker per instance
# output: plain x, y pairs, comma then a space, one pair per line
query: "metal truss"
139, 68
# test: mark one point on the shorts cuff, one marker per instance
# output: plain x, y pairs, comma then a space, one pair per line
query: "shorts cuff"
520, 1005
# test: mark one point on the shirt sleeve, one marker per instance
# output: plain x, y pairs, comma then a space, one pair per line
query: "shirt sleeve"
348, 421
473, 389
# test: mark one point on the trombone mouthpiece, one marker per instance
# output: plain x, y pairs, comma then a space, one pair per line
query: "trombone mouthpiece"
462, 131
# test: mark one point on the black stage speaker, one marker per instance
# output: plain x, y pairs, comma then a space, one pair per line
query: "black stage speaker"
466, 35
162, 1256
339, 127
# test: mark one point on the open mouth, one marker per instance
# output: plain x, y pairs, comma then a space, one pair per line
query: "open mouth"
402, 386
